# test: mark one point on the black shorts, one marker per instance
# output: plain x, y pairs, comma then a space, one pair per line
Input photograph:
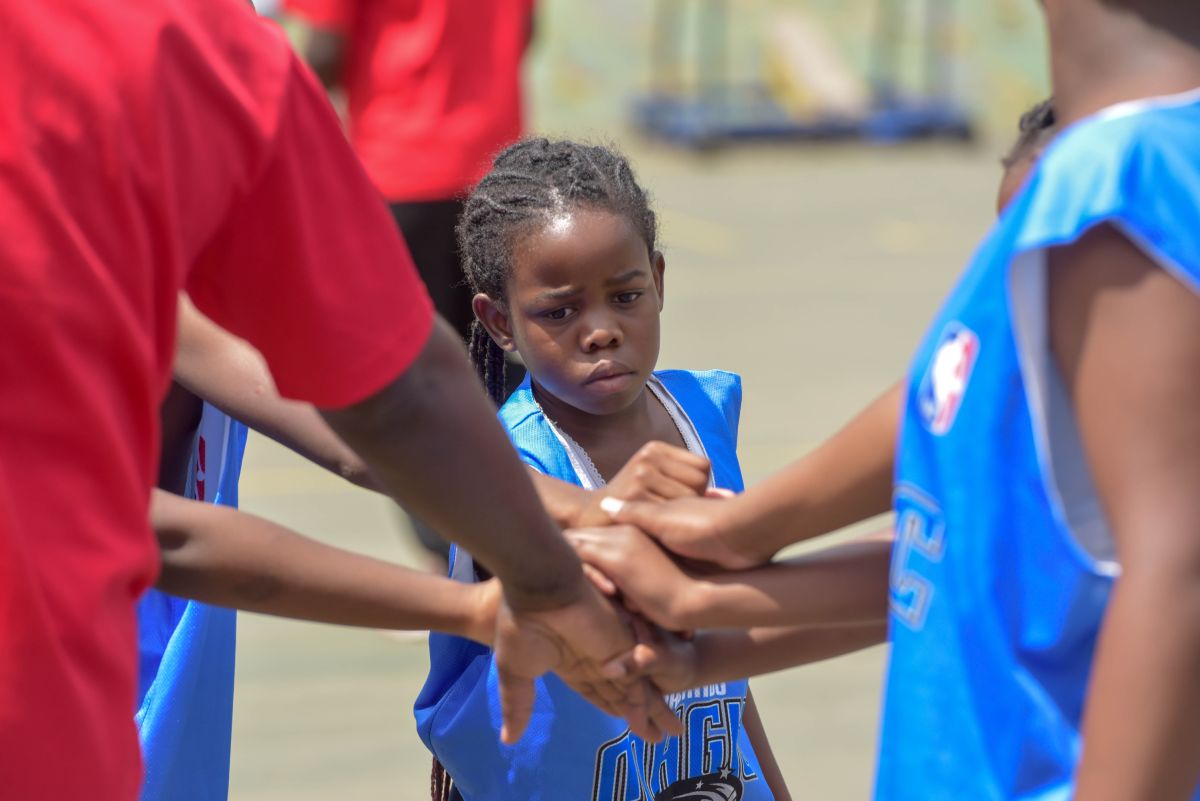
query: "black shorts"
428, 228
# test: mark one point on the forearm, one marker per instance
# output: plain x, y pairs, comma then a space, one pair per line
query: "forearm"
1142, 727
229, 558
753, 726
300, 428
432, 440
229, 373
728, 655
846, 480
844, 584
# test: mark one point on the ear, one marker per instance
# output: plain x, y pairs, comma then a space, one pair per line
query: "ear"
495, 320
657, 267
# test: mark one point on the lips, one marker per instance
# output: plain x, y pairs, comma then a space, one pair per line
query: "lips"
608, 373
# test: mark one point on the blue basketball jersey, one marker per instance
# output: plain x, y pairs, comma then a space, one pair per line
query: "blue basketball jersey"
571, 749
1004, 562
186, 651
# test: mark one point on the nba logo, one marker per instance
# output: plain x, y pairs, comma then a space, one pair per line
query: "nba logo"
946, 378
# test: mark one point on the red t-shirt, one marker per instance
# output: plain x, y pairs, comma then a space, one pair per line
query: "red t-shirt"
145, 144
432, 86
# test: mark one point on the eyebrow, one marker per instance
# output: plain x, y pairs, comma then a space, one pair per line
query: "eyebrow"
570, 291
558, 294
628, 275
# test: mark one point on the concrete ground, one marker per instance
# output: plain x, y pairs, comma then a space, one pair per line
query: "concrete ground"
811, 272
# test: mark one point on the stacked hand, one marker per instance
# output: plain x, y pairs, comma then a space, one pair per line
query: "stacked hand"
620, 654
580, 642
693, 528
657, 472
627, 565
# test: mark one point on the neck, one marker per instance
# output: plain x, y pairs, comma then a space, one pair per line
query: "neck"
590, 430
1111, 51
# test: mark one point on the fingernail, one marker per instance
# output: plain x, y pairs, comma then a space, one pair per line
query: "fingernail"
611, 505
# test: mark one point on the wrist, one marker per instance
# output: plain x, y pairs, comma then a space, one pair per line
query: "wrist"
481, 603
564, 502
693, 605
745, 529
546, 589
569, 509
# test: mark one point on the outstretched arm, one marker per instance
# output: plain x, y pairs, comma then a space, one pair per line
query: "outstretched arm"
229, 558
728, 655
229, 373
846, 480
1126, 336
842, 584
224, 557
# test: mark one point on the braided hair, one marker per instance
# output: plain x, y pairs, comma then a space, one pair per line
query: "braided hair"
530, 184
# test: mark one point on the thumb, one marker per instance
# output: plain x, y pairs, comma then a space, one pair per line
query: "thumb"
516, 705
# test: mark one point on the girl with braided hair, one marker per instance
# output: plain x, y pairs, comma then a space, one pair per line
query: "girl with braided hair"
559, 245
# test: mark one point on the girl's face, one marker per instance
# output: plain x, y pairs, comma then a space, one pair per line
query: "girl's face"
582, 310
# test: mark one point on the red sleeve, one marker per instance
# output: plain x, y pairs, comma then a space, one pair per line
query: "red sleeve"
334, 15
310, 267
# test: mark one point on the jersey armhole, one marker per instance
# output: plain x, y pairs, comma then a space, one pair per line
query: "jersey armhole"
1064, 472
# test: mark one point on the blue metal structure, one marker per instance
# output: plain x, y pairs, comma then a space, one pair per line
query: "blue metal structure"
717, 112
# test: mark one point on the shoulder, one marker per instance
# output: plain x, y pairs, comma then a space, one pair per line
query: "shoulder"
712, 400
1135, 166
533, 437
520, 410
721, 388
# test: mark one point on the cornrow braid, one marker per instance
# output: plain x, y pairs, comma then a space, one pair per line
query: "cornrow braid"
488, 358
531, 183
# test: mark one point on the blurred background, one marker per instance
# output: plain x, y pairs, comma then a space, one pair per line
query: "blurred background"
808, 267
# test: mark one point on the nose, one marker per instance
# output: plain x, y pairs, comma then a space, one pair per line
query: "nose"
600, 331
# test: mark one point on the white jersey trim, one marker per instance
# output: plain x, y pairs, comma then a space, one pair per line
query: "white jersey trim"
1064, 470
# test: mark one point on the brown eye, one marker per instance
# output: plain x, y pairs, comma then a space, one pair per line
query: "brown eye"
628, 297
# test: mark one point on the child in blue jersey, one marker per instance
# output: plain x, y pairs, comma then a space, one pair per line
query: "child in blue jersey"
559, 241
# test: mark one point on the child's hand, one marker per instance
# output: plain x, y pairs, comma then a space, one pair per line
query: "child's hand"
576, 641
657, 472
622, 558
694, 528
666, 659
